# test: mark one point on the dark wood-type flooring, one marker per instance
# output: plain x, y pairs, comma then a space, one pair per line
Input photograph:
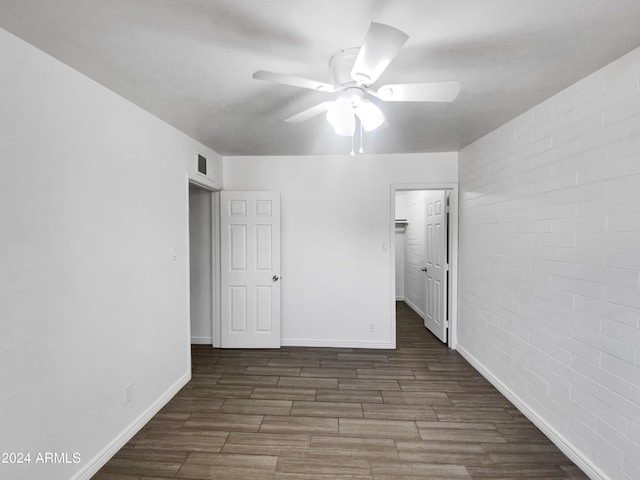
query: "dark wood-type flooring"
417, 412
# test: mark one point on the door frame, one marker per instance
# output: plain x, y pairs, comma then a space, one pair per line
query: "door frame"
215, 259
452, 302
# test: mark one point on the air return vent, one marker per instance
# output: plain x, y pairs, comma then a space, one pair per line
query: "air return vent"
202, 165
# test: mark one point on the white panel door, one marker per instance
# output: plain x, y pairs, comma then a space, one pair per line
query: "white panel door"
250, 269
435, 265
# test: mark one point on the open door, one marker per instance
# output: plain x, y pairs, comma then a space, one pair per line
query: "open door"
250, 269
435, 265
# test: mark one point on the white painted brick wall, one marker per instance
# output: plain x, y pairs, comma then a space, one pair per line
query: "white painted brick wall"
414, 237
550, 263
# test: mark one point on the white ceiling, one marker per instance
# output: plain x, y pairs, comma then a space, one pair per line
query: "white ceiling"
190, 62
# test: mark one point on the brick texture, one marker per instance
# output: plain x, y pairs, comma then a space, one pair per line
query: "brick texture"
414, 279
550, 262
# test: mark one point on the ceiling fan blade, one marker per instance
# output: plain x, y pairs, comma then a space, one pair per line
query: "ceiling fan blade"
293, 81
380, 46
310, 112
419, 92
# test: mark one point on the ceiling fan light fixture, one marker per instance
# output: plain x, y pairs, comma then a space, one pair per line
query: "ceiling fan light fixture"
348, 127
371, 117
340, 116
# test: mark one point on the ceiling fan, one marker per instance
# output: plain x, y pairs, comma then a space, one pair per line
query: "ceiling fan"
354, 71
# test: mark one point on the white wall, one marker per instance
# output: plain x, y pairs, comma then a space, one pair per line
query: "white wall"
415, 247
550, 262
336, 277
93, 198
200, 260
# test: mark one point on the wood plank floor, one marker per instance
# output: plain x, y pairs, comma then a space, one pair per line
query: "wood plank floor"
417, 412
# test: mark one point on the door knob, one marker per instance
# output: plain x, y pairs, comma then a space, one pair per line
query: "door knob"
275, 278
423, 269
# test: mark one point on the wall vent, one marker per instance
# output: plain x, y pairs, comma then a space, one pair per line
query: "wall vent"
202, 165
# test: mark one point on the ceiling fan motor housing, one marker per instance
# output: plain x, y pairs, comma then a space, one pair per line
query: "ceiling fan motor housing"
341, 64
354, 94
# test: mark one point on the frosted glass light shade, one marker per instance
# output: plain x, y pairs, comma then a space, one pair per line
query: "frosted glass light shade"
369, 114
341, 117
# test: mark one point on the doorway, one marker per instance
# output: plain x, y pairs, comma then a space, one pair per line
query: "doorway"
203, 259
424, 254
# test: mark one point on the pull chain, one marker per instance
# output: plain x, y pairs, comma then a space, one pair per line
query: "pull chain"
361, 149
353, 154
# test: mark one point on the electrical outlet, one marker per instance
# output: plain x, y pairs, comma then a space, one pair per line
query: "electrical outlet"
372, 328
128, 393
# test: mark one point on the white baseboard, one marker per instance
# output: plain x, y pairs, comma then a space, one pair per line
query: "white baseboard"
414, 308
556, 437
305, 342
400, 299
97, 462
201, 340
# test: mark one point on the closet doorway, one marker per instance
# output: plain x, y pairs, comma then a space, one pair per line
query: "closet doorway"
425, 254
203, 261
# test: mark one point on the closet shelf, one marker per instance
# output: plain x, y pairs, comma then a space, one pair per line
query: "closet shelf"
401, 224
